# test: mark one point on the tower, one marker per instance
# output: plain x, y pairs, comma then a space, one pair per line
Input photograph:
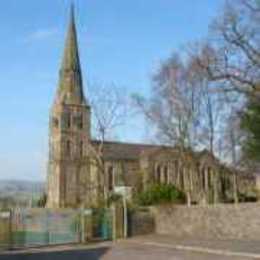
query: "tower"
69, 131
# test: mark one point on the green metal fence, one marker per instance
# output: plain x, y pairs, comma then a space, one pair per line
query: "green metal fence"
102, 222
34, 227
21, 228
5, 230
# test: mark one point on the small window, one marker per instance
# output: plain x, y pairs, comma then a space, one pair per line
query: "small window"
68, 120
203, 178
68, 148
181, 177
110, 178
81, 149
80, 121
55, 122
176, 167
210, 177
165, 173
176, 170
158, 174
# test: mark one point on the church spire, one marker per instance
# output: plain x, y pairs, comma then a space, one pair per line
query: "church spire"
71, 54
70, 85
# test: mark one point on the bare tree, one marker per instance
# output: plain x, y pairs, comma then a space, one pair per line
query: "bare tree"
186, 107
233, 56
174, 105
109, 107
175, 109
211, 107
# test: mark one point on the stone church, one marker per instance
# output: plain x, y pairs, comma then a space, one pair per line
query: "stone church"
82, 171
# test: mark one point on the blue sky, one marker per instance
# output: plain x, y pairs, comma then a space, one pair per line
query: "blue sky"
121, 42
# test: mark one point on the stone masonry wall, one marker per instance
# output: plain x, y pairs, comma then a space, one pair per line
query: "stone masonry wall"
140, 223
227, 221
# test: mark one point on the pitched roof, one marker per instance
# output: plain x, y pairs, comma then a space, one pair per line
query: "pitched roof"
133, 151
126, 151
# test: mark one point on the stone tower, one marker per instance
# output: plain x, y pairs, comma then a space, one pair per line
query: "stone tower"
69, 136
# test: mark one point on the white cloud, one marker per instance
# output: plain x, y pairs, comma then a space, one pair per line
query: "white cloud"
41, 34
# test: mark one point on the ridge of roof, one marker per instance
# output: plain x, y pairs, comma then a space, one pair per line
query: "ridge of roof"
133, 144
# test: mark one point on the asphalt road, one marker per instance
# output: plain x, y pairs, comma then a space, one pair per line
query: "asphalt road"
119, 251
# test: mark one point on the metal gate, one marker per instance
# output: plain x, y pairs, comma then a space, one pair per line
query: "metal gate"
21, 228
102, 222
41, 227
5, 230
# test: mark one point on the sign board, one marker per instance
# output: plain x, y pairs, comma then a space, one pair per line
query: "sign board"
87, 212
5, 214
124, 191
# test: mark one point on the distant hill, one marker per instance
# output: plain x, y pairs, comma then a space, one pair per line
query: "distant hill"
20, 189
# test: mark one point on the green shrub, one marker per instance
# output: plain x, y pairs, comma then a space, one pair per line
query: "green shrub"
113, 198
41, 203
160, 194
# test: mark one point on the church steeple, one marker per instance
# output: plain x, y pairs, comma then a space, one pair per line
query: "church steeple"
71, 54
69, 138
70, 89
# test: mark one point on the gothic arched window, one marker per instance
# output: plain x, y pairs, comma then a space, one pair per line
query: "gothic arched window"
182, 177
68, 120
158, 174
55, 122
209, 177
80, 121
81, 148
176, 169
203, 170
165, 173
68, 148
110, 178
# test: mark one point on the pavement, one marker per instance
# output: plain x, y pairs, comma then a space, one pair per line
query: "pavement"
233, 248
143, 248
237, 246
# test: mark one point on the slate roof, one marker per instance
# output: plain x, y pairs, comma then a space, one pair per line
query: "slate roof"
133, 151
127, 151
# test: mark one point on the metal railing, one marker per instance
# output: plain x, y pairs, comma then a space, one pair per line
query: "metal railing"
22, 228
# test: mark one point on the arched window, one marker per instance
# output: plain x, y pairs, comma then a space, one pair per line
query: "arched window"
176, 169
182, 177
203, 178
209, 177
165, 173
158, 174
68, 120
110, 178
81, 148
68, 148
80, 121
55, 122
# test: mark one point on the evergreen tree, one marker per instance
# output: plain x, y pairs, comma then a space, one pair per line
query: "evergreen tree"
250, 123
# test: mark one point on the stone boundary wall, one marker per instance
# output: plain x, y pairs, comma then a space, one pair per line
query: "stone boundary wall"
140, 222
223, 221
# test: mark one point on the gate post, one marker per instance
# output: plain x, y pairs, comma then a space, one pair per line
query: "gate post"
82, 226
114, 229
87, 222
125, 217
10, 231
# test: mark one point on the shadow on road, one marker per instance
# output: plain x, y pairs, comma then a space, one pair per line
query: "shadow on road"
86, 254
